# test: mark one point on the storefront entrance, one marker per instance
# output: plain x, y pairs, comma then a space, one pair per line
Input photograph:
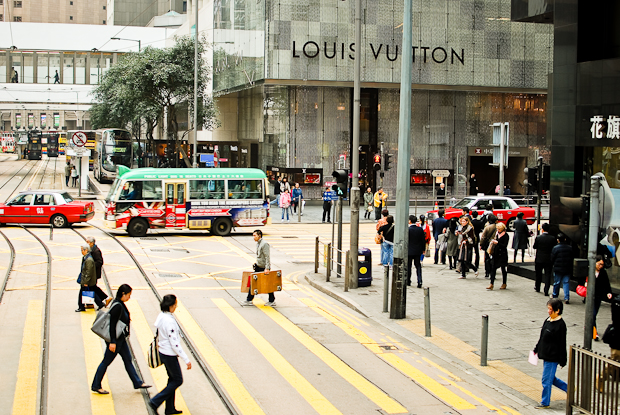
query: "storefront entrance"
488, 176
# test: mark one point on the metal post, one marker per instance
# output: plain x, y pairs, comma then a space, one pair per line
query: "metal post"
502, 148
298, 208
386, 287
399, 287
456, 177
416, 205
427, 312
329, 262
592, 243
539, 193
347, 271
51, 232
316, 255
79, 180
485, 340
381, 173
339, 266
195, 150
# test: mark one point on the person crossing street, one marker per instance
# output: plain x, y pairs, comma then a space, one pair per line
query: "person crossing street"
263, 264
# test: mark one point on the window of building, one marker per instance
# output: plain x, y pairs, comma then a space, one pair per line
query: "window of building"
103, 7
70, 17
1, 2
17, 18
17, 4
70, 3
1, 18
184, 6
104, 22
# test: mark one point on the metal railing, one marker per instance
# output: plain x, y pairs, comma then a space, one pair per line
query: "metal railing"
593, 383
332, 261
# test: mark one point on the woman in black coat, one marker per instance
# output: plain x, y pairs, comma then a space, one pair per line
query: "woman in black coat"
602, 288
500, 255
520, 240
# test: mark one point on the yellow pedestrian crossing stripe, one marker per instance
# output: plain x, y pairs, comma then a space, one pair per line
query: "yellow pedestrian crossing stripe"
25, 399
321, 404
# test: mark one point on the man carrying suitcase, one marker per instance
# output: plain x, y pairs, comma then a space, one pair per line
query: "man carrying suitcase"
262, 265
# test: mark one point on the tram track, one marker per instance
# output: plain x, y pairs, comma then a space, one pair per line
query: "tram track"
230, 407
32, 166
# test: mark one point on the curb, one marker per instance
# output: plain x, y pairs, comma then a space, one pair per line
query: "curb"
335, 296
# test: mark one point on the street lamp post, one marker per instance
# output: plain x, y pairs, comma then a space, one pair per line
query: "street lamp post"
131, 40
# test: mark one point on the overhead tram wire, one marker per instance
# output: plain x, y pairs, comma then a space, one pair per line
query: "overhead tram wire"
201, 363
127, 25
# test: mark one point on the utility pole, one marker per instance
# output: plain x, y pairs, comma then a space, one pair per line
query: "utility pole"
195, 150
399, 286
381, 172
355, 153
539, 194
593, 226
501, 162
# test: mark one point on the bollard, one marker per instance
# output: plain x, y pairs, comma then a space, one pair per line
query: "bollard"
51, 232
485, 340
386, 287
316, 255
347, 271
427, 312
298, 208
329, 261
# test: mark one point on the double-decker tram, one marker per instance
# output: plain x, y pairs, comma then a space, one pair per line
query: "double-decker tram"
8, 142
113, 148
213, 199
52, 145
34, 146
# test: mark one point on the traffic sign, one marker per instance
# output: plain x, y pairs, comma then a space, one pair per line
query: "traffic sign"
79, 139
78, 151
440, 173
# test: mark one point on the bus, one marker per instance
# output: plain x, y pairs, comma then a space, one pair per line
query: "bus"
52, 145
206, 199
8, 142
34, 146
113, 147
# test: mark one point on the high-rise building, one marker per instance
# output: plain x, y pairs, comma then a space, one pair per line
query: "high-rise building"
140, 12
54, 11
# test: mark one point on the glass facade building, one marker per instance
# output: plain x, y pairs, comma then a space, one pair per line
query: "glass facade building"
287, 66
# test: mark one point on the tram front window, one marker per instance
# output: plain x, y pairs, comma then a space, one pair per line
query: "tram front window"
116, 150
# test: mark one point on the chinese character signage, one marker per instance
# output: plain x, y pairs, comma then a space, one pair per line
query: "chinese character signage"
605, 127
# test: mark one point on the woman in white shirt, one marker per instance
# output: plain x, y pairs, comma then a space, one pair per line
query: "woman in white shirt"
169, 351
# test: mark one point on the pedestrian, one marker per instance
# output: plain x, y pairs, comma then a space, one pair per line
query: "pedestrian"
439, 225
380, 202
520, 239
427, 236
602, 289
118, 345
285, 204
276, 192
507, 190
87, 278
466, 241
416, 246
169, 349
387, 246
499, 255
67, 173
263, 264
95, 253
473, 184
543, 244
612, 338
15, 78
551, 348
56, 78
441, 195
465, 212
478, 228
327, 204
368, 203
488, 211
488, 234
74, 176
453, 243
297, 199
285, 186
562, 261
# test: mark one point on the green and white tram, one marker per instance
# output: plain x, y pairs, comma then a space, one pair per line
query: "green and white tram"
214, 199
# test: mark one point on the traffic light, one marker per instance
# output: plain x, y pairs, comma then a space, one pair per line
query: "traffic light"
377, 162
342, 178
526, 182
387, 162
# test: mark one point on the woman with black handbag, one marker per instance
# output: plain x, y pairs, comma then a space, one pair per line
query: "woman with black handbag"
466, 238
118, 345
170, 350
498, 250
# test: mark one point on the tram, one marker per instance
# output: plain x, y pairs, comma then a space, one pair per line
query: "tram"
52, 145
207, 199
8, 142
34, 146
113, 147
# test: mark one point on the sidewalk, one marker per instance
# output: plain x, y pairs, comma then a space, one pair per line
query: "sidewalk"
515, 318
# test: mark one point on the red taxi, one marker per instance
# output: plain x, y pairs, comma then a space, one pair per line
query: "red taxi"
46, 206
504, 208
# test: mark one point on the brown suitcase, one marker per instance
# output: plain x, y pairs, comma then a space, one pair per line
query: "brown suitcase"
265, 283
245, 281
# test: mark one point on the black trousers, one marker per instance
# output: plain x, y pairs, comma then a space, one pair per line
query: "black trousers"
476, 252
175, 379
378, 212
494, 272
272, 297
327, 209
548, 278
418, 269
98, 300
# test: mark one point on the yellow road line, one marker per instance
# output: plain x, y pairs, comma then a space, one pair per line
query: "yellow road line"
367, 389
333, 307
482, 401
288, 372
93, 354
25, 399
435, 365
225, 375
141, 329
232, 247
399, 364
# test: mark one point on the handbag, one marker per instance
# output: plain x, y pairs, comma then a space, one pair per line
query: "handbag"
152, 357
88, 297
101, 325
491, 249
369, 208
378, 239
581, 290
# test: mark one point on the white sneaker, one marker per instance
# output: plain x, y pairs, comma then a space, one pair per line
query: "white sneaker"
282, 220
270, 304
246, 302
288, 221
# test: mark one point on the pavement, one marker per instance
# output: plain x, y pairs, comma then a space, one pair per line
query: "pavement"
515, 317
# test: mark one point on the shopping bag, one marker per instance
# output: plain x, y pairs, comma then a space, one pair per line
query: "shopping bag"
88, 297
152, 357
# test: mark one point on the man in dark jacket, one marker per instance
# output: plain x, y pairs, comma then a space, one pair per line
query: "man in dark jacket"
551, 348
562, 260
95, 253
88, 278
439, 225
478, 228
543, 245
416, 246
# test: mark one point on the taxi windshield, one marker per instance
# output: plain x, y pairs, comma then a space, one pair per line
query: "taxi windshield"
463, 203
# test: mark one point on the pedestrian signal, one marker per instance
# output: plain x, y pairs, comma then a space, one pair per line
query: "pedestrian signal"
342, 178
377, 162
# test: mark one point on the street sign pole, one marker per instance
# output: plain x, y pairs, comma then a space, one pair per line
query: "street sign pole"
399, 285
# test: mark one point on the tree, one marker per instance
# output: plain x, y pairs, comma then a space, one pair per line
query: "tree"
142, 87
